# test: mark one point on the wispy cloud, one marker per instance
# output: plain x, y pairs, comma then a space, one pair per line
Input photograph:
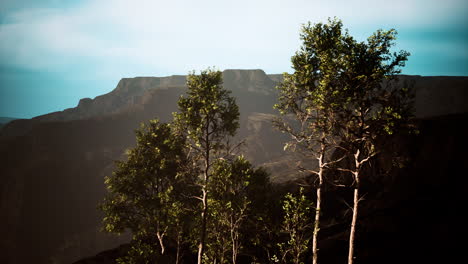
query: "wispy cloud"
117, 37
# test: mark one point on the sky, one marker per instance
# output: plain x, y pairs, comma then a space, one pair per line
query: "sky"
54, 52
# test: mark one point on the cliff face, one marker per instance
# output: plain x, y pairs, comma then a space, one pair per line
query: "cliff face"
53, 165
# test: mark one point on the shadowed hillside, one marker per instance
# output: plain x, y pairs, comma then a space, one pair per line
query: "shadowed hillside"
5, 120
53, 165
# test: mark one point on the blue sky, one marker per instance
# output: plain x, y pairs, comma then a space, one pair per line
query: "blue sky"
54, 52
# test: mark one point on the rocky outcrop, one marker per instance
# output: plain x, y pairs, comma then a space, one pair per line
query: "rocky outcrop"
129, 93
255, 81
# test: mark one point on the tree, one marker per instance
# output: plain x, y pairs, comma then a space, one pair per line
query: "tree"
374, 106
296, 224
145, 190
231, 201
342, 95
208, 115
308, 100
264, 216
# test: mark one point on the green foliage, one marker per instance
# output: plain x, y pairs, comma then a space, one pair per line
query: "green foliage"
147, 192
208, 113
343, 94
231, 199
366, 100
139, 253
297, 224
340, 83
308, 98
231, 180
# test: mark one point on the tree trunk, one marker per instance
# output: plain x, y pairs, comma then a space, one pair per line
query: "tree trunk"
161, 241
201, 245
317, 221
234, 248
178, 249
352, 232
318, 208
234, 241
204, 214
353, 226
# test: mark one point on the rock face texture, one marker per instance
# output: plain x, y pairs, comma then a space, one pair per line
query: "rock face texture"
52, 166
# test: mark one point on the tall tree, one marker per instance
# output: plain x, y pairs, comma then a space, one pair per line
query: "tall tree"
208, 115
145, 190
342, 94
308, 100
375, 106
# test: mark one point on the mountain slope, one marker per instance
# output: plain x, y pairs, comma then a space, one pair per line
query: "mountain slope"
5, 120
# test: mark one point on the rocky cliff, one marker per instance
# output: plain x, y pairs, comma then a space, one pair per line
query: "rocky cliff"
53, 165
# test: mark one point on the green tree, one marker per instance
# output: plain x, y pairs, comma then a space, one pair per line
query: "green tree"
375, 106
145, 191
308, 100
231, 202
296, 224
208, 115
264, 216
342, 95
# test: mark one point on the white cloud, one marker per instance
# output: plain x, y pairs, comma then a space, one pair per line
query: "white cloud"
164, 37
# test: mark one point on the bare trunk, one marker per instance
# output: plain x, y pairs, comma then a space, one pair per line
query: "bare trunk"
352, 232
178, 250
353, 226
161, 241
234, 249
201, 245
318, 206
317, 221
234, 241
204, 214
234, 258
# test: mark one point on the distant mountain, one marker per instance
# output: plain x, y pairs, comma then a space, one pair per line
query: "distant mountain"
52, 166
5, 120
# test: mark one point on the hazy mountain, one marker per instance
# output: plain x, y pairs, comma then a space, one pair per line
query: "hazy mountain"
52, 166
5, 120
